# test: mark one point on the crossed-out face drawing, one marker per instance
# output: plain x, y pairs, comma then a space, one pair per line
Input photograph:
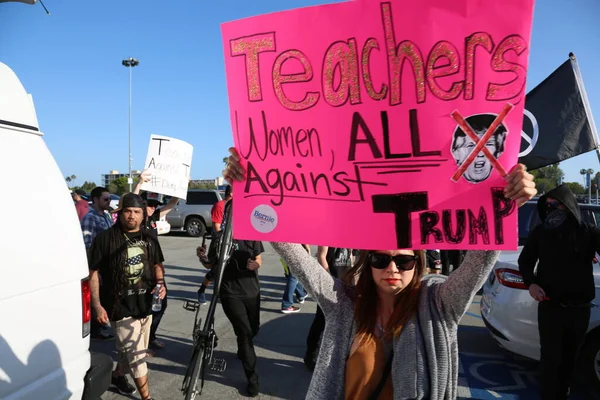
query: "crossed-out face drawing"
462, 145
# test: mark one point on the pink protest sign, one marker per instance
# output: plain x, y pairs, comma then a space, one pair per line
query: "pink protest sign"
379, 125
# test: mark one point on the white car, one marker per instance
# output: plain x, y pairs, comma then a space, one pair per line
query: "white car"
510, 314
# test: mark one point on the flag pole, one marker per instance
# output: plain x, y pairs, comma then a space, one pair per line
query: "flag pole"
586, 102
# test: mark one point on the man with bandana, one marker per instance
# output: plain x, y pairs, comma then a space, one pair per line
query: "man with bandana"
129, 262
563, 285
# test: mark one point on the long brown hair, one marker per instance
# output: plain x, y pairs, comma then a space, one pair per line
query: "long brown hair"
366, 299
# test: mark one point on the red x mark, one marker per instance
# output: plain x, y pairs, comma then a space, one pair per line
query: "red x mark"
480, 143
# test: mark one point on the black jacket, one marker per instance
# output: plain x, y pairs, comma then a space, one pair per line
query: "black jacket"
565, 253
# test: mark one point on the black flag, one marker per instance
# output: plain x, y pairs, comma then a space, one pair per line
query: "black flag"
558, 122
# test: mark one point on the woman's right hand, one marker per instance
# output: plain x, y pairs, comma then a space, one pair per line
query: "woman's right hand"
234, 170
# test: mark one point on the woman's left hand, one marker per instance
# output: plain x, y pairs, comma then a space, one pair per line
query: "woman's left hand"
520, 186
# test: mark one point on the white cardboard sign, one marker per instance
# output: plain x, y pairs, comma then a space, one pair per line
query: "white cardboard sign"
170, 161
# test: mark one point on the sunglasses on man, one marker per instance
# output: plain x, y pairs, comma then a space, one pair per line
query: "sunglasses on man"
404, 262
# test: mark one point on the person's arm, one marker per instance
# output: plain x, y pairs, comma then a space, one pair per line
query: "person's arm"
201, 253
88, 228
327, 290
159, 276
322, 257
529, 258
96, 259
254, 264
144, 177
164, 210
157, 259
456, 294
101, 315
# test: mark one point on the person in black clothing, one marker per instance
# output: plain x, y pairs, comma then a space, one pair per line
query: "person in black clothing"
337, 261
129, 262
240, 296
156, 210
451, 257
563, 284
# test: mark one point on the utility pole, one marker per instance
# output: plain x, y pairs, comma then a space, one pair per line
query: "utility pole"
130, 63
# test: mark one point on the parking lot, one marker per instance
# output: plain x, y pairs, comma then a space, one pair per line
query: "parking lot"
485, 370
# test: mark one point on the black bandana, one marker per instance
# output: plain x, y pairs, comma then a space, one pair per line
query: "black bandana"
555, 218
133, 200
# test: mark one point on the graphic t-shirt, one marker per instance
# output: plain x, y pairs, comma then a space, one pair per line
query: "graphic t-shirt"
339, 261
127, 273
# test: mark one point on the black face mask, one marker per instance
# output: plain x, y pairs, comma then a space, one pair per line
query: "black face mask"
555, 218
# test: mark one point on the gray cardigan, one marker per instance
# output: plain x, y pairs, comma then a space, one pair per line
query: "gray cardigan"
425, 364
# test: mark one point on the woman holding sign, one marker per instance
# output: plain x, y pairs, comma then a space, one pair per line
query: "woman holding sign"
393, 334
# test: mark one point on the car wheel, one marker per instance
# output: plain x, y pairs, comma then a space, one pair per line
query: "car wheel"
195, 227
590, 363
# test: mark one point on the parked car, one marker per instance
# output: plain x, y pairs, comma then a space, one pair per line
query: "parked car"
509, 312
193, 215
45, 309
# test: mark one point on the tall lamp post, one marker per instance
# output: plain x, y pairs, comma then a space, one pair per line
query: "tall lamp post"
130, 63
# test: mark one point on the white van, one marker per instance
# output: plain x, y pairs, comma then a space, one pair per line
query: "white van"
44, 290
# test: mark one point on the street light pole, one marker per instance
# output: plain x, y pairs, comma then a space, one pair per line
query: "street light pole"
130, 63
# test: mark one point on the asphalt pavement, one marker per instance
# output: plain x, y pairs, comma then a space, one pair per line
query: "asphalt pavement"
485, 371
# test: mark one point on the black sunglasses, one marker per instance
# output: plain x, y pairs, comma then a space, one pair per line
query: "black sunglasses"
552, 206
404, 262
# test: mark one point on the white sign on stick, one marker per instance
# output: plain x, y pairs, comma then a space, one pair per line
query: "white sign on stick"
169, 160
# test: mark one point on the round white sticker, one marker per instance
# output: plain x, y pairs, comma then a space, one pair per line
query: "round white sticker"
264, 218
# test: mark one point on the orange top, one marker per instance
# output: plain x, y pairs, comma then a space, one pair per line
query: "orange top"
364, 369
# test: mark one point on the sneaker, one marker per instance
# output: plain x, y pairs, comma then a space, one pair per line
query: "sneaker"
289, 310
123, 385
301, 299
202, 298
252, 390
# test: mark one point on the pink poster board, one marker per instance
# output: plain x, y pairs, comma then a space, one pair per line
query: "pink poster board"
379, 125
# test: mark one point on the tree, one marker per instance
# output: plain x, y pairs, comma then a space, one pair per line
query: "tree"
547, 178
202, 186
119, 186
88, 186
68, 179
576, 187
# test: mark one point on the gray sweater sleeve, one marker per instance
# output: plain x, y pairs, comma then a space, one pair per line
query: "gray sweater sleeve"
326, 289
457, 292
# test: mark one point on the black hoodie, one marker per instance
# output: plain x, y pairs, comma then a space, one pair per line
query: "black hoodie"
565, 253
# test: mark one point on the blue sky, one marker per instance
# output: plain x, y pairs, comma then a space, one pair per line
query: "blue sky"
71, 62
